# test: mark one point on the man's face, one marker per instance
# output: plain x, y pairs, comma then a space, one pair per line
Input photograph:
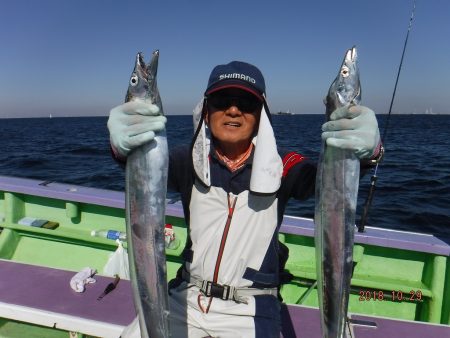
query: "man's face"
233, 117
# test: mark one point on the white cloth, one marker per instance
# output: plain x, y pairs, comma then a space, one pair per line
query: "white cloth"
267, 167
267, 164
201, 147
78, 282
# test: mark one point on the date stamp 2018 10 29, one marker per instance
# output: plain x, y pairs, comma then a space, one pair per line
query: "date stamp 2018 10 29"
393, 296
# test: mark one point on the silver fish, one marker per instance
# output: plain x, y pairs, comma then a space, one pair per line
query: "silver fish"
337, 184
146, 186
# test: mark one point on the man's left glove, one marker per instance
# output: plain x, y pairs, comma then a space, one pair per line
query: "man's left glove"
354, 128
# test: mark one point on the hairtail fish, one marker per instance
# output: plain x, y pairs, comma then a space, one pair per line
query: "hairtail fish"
337, 184
145, 198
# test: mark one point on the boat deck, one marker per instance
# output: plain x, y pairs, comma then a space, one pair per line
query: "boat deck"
303, 322
387, 262
42, 295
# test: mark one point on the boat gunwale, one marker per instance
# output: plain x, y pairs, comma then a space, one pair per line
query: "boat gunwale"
291, 224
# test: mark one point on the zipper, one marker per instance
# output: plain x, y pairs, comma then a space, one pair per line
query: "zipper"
232, 199
231, 204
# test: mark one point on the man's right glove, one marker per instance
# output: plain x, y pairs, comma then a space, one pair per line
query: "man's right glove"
133, 124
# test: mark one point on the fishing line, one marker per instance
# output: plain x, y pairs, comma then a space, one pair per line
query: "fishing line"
374, 177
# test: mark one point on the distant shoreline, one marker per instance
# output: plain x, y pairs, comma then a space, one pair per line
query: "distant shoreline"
273, 114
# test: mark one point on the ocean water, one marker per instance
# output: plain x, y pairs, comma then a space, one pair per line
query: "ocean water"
413, 187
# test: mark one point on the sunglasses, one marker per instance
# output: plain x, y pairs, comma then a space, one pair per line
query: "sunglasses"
244, 104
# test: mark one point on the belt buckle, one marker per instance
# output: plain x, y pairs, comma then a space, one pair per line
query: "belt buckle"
216, 290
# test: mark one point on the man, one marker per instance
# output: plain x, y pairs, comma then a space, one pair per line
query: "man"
234, 185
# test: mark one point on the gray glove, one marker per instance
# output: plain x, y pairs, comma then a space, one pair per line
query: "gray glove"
133, 124
354, 128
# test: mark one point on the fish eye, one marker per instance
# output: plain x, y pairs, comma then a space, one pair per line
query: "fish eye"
345, 71
134, 80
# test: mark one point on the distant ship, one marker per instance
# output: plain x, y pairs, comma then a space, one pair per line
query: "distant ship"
284, 113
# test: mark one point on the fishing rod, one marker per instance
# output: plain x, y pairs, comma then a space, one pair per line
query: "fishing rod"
374, 177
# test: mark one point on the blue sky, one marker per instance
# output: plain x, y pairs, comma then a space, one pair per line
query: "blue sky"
74, 58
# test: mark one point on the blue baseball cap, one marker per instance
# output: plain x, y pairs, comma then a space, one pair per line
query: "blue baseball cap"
237, 74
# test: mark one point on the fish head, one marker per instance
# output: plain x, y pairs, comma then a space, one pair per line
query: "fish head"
138, 86
142, 85
345, 89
